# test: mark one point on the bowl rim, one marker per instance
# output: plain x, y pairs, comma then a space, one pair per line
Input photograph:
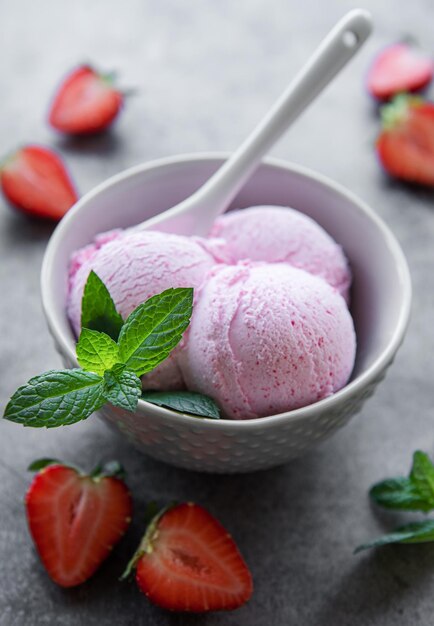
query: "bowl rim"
340, 397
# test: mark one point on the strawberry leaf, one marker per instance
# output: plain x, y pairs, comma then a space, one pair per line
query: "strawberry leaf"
56, 398
96, 352
415, 493
416, 532
40, 464
194, 404
122, 387
98, 311
154, 328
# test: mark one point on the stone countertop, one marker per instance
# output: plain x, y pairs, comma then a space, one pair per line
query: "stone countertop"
205, 73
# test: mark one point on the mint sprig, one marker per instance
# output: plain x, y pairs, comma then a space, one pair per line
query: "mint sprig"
412, 493
112, 355
415, 493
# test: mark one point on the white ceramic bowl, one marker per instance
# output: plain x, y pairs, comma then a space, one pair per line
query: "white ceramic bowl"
380, 306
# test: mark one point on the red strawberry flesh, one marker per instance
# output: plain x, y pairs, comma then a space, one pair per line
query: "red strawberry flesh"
85, 103
406, 145
191, 563
75, 520
399, 68
36, 181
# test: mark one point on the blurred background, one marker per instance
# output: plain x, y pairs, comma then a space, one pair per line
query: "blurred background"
203, 74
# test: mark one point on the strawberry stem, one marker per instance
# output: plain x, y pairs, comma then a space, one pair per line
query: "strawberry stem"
7, 159
397, 110
409, 40
110, 77
111, 469
130, 92
145, 546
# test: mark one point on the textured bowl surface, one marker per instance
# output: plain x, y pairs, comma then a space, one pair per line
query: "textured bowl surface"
380, 306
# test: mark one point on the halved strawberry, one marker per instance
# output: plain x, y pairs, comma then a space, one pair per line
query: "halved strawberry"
75, 519
187, 561
399, 68
35, 180
406, 144
86, 102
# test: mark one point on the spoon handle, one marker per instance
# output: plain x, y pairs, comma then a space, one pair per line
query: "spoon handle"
199, 211
338, 47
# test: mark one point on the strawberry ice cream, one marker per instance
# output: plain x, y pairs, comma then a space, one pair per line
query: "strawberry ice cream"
135, 266
282, 235
268, 338
270, 330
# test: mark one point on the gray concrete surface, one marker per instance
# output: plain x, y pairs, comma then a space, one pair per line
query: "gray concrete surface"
206, 71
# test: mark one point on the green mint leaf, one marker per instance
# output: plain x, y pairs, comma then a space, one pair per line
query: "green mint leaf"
56, 398
416, 532
40, 464
189, 402
122, 387
96, 351
415, 493
397, 493
422, 476
154, 328
98, 311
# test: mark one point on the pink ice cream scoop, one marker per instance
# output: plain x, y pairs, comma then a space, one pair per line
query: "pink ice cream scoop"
135, 266
283, 235
267, 338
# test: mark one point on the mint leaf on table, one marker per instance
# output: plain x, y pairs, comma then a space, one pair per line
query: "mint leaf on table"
415, 493
184, 402
98, 311
154, 328
96, 351
416, 532
422, 477
122, 387
56, 398
396, 493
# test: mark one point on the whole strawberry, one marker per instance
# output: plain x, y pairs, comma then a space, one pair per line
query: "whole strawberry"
75, 519
405, 146
35, 180
187, 561
85, 103
398, 68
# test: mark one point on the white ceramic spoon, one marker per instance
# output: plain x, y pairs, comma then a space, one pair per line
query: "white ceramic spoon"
195, 215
